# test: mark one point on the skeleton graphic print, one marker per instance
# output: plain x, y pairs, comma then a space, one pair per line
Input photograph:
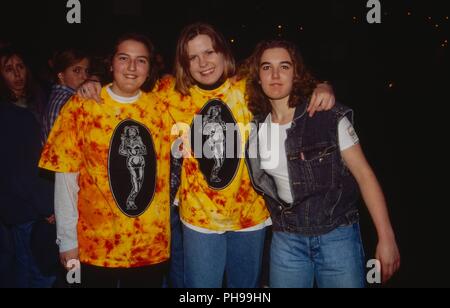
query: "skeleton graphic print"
216, 144
134, 149
132, 167
214, 128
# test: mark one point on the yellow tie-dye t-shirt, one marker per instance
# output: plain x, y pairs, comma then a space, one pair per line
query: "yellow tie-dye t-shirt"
122, 154
216, 191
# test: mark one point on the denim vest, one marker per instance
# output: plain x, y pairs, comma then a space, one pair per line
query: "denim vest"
324, 191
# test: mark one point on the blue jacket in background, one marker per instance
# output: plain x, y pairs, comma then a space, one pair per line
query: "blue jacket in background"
25, 193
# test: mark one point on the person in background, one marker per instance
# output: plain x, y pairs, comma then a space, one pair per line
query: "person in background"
311, 171
17, 84
25, 196
71, 69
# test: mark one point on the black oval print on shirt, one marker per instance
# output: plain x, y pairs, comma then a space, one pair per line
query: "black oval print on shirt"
132, 168
216, 143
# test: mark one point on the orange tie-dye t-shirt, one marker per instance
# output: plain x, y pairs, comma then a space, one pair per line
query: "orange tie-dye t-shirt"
122, 155
216, 191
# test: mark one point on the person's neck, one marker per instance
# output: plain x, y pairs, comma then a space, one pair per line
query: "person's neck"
123, 99
18, 94
21, 102
62, 84
123, 94
281, 112
212, 87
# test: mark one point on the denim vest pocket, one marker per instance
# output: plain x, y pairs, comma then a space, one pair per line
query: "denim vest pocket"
319, 163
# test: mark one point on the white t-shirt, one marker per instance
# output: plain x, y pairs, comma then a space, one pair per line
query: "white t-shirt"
272, 148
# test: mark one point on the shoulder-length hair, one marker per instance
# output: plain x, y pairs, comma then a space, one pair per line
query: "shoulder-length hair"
6, 94
184, 79
63, 59
303, 85
149, 84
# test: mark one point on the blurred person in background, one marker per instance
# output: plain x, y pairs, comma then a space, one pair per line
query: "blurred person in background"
71, 69
26, 198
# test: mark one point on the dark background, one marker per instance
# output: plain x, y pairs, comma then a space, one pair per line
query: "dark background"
394, 75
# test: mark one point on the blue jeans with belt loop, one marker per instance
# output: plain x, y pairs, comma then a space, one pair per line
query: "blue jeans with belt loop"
238, 255
332, 260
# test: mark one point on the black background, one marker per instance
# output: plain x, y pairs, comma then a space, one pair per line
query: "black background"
394, 75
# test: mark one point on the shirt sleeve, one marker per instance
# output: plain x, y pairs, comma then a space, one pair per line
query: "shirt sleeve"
54, 109
62, 153
347, 135
66, 210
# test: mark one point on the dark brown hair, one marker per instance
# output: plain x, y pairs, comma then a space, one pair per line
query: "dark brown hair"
303, 85
183, 76
64, 59
149, 84
6, 94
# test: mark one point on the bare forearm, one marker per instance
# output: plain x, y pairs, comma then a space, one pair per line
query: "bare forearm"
376, 204
387, 251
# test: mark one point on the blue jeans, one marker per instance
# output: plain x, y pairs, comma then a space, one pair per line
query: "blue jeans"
6, 257
176, 265
332, 260
27, 274
207, 257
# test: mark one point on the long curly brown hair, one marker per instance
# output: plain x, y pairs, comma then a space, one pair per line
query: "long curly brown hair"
303, 85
